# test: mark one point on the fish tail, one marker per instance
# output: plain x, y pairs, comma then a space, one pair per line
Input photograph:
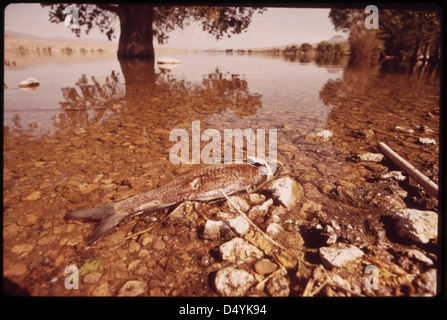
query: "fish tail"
107, 217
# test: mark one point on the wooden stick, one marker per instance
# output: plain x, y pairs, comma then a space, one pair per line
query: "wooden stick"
426, 183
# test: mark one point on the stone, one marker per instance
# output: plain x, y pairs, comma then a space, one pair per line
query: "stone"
260, 210
394, 175
22, 249
273, 229
35, 195
239, 250
427, 141
27, 220
29, 83
101, 290
324, 135
373, 157
256, 198
92, 277
232, 282
264, 266
288, 192
14, 270
419, 256
426, 282
132, 288
419, 226
339, 255
213, 229
278, 286
241, 203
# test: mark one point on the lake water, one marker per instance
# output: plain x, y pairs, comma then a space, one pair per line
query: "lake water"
97, 131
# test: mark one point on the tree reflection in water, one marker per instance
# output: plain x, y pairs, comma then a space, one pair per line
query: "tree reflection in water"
159, 98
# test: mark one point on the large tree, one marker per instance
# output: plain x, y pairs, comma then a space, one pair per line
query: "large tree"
140, 23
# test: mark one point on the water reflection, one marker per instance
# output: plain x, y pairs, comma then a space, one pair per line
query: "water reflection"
160, 98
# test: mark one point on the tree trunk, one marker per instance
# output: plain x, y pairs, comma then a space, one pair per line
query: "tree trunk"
136, 31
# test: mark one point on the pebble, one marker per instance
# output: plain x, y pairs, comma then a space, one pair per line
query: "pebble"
419, 226
288, 192
256, 198
324, 135
213, 229
92, 277
260, 210
273, 228
278, 286
427, 141
395, 175
239, 250
373, 157
426, 282
35, 195
264, 266
102, 290
339, 255
22, 249
232, 282
27, 220
17, 269
418, 255
132, 288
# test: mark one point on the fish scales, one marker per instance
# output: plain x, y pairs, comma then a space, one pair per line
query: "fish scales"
202, 184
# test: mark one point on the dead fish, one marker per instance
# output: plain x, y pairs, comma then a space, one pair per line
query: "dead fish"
203, 184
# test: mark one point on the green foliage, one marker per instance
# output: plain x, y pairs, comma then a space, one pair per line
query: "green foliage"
402, 34
218, 21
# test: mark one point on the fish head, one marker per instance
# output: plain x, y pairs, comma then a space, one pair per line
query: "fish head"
268, 169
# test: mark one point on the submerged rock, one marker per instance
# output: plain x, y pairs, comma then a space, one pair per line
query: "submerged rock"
29, 82
373, 157
239, 250
395, 175
324, 135
288, 192
339, 255
419, 226
232, 282
132, 288
427, 141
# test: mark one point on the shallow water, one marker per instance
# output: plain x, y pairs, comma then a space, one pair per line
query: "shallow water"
98, 131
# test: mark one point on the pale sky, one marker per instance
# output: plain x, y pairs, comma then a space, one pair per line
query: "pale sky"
275, 27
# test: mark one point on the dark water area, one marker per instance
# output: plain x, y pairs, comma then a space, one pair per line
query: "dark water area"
95, 132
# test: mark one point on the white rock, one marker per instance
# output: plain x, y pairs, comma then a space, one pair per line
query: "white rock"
402, 129
395, 175
427, 141
416, 254
373, 157
278, 286
168, 60
340, 255
325, 135
239, 250
287, 191
231, 282
29, 82
260, 210
273, 228
417, 225
213, 229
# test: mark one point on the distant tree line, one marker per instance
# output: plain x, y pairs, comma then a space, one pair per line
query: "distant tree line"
403, 35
